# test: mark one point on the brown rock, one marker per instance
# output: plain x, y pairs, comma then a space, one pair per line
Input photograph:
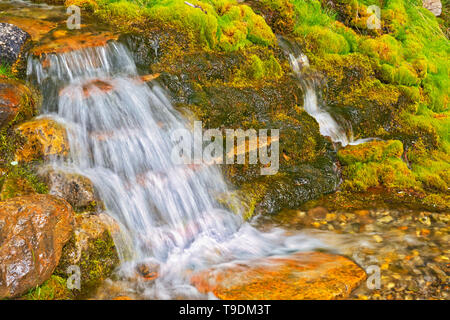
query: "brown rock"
43, 138
308, 275
15, 100
33, 231
74, 188
317, 213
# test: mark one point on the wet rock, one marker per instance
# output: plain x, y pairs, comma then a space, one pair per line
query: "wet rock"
12, 42
16, 102
309, 275
44, 138
76, 189
74, 42
145, 50
33, 231
92, 249
36, 28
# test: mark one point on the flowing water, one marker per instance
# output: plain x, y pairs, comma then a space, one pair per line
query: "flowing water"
328, 126
119, 134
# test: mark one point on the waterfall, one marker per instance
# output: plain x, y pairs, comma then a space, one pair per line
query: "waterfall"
328, 126
118, 129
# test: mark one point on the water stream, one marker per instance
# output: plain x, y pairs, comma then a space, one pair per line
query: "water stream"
119, 134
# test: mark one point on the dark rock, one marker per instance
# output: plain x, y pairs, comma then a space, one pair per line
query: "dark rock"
12, 41
33, 231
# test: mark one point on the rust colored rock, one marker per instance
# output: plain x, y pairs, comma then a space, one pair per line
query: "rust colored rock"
43, 138
15, 100
302, 276
33, 231
74, 188
74, 42
36, 28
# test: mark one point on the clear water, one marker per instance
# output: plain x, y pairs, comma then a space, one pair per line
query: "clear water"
119, 135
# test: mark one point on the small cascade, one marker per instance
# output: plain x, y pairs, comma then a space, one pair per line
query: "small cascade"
119, 134
328, 126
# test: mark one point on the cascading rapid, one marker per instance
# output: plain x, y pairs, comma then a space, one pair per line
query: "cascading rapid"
119, 134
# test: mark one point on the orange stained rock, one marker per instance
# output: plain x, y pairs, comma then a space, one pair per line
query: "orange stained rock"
43, 138
122, 298
34, 27
74, 42
308, 275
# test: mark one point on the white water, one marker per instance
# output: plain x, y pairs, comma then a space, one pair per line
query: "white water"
119, 138
327, 124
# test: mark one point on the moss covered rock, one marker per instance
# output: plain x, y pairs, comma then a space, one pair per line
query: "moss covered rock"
92, 249
374, 164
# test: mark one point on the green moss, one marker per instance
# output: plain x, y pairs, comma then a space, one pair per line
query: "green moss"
213, 24
20, 180
54, 288
97, 262
390, 173
255, 69
5, 71
375, 164
371, 151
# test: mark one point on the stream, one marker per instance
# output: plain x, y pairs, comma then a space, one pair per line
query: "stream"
170, 220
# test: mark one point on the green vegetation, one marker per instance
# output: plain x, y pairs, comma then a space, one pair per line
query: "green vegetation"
397, 76
5, 71
375, 164
212, 24
54, 288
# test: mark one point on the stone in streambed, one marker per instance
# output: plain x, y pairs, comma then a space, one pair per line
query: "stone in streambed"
44, 138
76, 189
306, 275
33, 231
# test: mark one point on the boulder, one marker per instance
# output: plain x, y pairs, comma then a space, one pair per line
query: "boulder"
76, 189
305, 275
44, 138
16, 102
12, 42
33, 231
92, 249
435, 6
